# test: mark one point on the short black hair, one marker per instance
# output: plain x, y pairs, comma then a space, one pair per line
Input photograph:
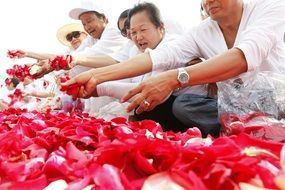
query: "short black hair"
152, 11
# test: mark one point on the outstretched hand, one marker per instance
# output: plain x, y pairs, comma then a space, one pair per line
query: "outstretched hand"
40, 68
151, 92
16, 54
87, 84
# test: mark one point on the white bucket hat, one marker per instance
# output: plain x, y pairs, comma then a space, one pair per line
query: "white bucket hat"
66, 29
85, 6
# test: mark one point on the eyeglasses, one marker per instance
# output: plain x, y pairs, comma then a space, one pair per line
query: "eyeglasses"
71, 35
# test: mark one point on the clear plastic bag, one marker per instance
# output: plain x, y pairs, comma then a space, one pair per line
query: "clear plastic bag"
253, 94
261, 92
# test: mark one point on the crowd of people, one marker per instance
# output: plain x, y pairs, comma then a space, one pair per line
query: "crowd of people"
150, 68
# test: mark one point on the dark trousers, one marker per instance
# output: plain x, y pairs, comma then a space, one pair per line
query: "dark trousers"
186, 111
164, 116
198, 111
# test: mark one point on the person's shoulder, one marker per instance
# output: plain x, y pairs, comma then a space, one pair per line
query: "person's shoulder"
169, 37
206, 26
130, 44
256, 9
134, 50
261, 2
112, 32
174, 27
20, 86
110, 28
207, 23
87, 42
88, 39
263, 5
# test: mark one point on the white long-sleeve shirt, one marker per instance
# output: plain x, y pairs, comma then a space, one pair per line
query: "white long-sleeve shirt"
260, 38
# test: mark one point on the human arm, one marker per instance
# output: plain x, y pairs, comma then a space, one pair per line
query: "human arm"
105, 60
95, 62
88, 80
43, 67
116, 89
110, 42
34, 55
41, 94
3, 105
137, 65
211, 87
156, 89
252, 51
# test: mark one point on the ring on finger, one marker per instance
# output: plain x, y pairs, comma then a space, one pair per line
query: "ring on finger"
146, 103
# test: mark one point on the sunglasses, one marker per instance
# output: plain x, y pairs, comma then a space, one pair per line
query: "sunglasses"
71, 35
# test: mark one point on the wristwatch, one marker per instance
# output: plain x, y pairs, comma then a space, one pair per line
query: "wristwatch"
183, 77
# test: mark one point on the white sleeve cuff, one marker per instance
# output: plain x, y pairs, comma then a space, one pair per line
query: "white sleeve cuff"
251, 63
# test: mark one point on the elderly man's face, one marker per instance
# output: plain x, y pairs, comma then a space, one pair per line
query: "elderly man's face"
93, 25
218, 9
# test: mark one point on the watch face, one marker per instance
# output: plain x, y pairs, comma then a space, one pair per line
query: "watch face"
183, 77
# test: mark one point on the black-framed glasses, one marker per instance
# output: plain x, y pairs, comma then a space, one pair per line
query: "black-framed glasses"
71, 35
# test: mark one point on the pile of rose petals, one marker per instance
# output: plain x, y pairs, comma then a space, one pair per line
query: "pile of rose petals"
76, 151
71, 90
61, 62
16, 96
20, 71
12, 54
256, 124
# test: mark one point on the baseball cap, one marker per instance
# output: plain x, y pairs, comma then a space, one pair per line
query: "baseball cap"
85, 6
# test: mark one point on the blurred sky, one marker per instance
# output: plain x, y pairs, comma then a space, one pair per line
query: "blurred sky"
32, 24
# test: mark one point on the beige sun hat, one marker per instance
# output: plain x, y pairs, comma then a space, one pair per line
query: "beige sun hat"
66, 29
